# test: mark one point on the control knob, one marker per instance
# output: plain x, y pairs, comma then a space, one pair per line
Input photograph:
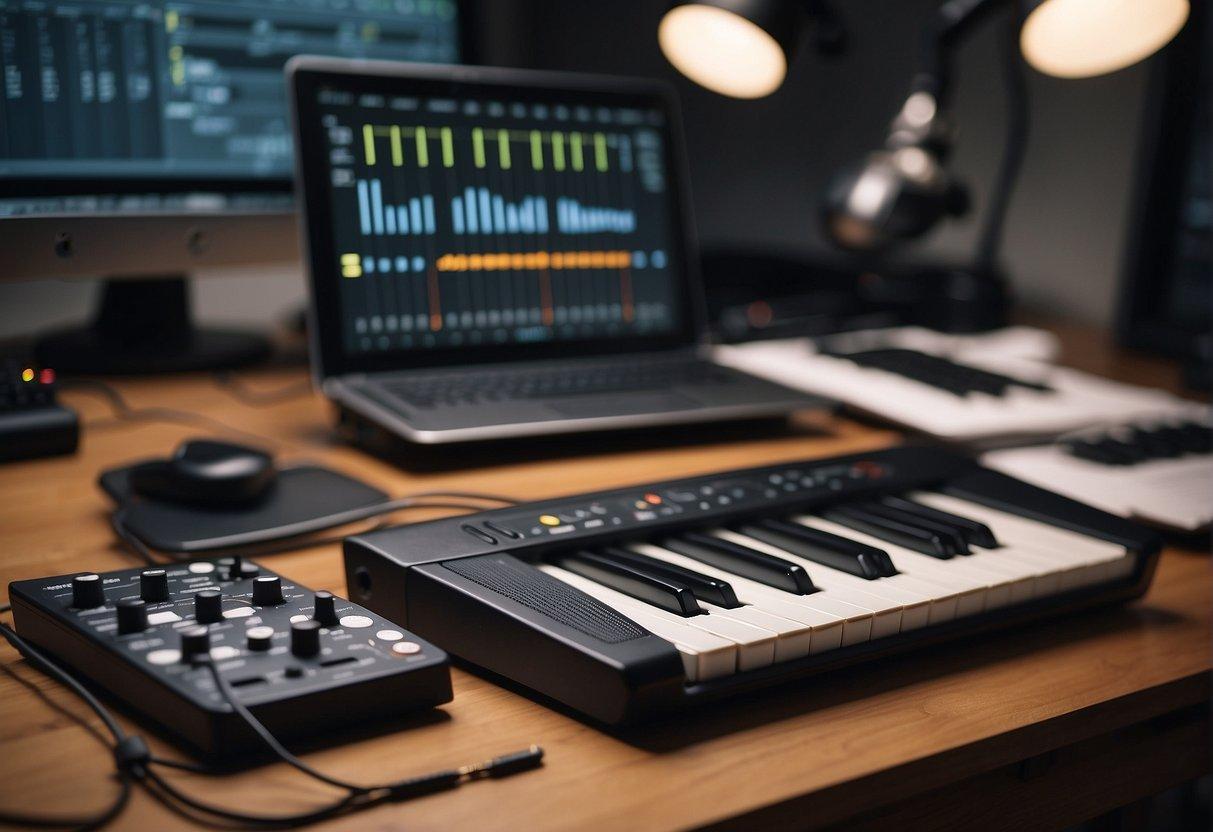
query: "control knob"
195, 641
305, 638
326, 608
87, 592
267, 591
208, 606
132, 616
153, 585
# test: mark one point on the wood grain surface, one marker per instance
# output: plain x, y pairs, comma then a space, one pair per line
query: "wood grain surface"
854, 745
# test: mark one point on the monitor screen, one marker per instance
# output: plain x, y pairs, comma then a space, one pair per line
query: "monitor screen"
152, 106
468, 216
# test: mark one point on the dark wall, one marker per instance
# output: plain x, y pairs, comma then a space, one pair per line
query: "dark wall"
758, 166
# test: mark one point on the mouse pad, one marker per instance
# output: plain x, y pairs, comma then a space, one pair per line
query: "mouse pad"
304, 499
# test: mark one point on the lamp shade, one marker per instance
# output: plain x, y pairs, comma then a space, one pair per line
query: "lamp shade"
738, 48
1082, 38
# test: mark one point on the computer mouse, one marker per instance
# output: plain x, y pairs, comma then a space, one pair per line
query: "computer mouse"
206, 472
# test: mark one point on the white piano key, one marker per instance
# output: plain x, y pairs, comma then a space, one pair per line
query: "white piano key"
1097, 560
792, 639
755, 646
704, 656
827, 628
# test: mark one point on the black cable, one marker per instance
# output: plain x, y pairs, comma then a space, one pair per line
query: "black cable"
358, 796
123, 411
243, 393
39, 660
134, 762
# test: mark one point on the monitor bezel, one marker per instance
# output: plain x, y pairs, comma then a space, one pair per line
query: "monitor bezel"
1166, 145
308, 74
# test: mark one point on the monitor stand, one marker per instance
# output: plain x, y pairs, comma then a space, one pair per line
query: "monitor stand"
144, 326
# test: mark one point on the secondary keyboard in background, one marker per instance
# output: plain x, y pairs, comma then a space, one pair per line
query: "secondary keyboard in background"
963, 390
1159, 473
626, 603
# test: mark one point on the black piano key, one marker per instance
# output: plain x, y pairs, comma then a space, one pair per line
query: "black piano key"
822, 547
705, 587
903, 534
743, 561
1155, 443
1198, 438
1105, 452
977, 534
952, 534
660, 592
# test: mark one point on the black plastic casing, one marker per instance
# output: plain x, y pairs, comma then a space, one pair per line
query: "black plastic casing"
409, 574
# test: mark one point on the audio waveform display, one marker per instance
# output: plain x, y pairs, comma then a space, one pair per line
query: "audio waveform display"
463, 222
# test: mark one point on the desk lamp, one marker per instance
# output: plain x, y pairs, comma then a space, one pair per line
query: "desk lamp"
741, 48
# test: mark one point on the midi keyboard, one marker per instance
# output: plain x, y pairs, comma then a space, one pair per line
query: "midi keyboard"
628, 603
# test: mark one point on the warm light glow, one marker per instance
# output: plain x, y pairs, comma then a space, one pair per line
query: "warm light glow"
722, 51
1081, 38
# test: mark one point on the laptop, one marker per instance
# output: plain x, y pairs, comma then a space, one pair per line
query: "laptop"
498, 253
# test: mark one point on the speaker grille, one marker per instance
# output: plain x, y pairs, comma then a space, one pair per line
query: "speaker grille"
544, 594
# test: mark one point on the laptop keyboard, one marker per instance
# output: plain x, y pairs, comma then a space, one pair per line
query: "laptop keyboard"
556, 381
958, 379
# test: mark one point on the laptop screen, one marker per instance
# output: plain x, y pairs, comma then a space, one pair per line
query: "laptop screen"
469, 221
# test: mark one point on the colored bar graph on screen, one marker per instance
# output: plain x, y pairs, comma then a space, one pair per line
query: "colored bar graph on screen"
600, 152
533, 261
478, 146
423, 148
574, 218
368, 144
376, 218
480, 211
566, 150
448, 148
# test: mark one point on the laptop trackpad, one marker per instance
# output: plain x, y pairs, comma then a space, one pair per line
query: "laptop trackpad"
588, 407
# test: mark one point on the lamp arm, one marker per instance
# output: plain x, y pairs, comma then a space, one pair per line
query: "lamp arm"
953, 20
1015, 142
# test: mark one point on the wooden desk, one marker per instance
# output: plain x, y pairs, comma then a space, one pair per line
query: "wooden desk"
1036, 728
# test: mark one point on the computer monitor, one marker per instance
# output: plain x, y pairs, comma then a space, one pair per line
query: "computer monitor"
1166, 303
144, 140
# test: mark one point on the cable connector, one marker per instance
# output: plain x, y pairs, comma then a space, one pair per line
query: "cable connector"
132, 755
505, 765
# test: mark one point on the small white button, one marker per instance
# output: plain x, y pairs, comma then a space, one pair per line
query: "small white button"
260, 632
224, 652
202, 568
238, 612
295, 619
163, 617
166, 656
356, 622
389, 635
406, 648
